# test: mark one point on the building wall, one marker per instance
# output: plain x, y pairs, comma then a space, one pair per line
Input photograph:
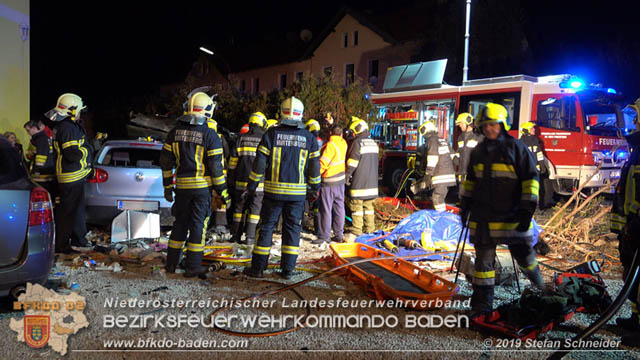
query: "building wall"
14, 67
332, 53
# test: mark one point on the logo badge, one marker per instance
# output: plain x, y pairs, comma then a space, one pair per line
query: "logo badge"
36, 330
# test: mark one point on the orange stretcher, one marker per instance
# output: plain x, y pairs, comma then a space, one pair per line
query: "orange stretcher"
396, 279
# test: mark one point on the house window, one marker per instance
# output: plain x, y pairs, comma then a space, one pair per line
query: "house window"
243, 85
345, 40
348, 74
256, 85
299, 76
373, 71
283, 81
327, 70
355, 38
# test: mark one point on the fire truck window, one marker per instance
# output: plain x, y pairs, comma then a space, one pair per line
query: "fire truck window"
557, 114
473, 104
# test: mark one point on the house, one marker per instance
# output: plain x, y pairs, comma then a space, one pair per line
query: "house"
351, 45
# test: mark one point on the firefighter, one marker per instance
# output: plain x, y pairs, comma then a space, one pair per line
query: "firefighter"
625, 221
73, 158
534, 145
195, 151
499, 197
361, 179
42, 169
242, 156
313, 126
467, 141
433, 163
332, 169
287, 159
220, 207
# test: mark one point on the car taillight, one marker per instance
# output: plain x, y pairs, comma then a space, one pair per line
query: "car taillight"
99, 176
40, 210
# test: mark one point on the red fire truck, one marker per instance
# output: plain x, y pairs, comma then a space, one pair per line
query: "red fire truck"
580, 126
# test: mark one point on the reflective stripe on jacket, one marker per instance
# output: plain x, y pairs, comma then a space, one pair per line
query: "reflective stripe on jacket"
434, 159
43, 167
626, 201
73, 155
242, 156
501, 179
332, 161
287, 161
195, 151
362, 168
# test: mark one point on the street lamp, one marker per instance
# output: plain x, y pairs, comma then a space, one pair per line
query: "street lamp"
210, 52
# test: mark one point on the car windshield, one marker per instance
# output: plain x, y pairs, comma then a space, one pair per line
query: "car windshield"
601, 114
132, 157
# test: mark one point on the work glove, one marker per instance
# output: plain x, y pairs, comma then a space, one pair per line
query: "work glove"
168, 194
247, 196
524, 220
411, 161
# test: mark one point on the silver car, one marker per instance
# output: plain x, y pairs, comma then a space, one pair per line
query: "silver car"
127, 174
26, 224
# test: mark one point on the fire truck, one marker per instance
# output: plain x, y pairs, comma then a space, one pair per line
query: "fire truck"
580, 125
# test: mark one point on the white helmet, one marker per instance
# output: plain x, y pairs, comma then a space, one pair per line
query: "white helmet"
291, 111
198, 109
68, 105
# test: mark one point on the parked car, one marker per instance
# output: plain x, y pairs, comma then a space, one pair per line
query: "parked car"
127, 173
26, 221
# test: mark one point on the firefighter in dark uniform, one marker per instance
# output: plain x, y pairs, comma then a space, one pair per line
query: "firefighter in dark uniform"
219, 222
240, 165
468, 139
43, 169
499, 197
534, 145
195, 151
313, 126
72, 168
287, 159
361, 179
625, 221
434, 164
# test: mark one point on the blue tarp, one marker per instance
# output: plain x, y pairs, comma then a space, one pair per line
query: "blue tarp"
436, 230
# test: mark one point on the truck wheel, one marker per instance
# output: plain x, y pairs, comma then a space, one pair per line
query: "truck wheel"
392, 177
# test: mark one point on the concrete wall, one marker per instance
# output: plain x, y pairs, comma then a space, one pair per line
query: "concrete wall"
14, 67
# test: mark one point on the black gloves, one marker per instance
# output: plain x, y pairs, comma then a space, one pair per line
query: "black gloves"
168, 194
524, 220
247, 196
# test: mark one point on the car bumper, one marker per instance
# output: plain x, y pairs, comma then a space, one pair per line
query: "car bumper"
104, 215
36, 265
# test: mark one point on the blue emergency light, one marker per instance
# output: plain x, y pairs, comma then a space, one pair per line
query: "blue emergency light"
621, 154
366, 96
573, 82
611, 91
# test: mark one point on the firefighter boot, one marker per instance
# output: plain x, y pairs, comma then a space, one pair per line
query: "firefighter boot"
194, 265
482, 299
173, 259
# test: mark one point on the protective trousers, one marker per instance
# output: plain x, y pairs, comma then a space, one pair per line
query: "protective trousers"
71, 226
484, 274
331, 211
191, 210
362, 209
437, 197
627, 250
292, 212
249, 214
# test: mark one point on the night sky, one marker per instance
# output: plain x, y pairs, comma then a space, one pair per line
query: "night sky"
112, 51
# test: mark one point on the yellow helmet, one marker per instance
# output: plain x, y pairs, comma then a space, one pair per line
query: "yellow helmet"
68, 105
527, 127
427, 127
312, 125
271, 122
358, 126
493, 114
258, 118
291, 111
464, 118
